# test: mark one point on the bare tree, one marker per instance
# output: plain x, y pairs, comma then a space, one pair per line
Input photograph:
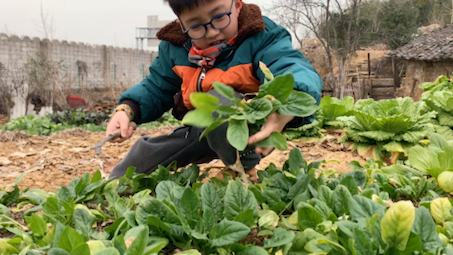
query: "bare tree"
322, 18
46, 25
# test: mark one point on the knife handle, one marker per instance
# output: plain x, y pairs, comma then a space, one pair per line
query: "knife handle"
117, 133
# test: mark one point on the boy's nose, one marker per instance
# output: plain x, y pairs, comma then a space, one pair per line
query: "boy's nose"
211, 32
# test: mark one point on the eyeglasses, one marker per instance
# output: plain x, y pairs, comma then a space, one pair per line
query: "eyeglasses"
220, 21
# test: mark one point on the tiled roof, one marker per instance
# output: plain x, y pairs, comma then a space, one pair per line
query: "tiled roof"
434, 46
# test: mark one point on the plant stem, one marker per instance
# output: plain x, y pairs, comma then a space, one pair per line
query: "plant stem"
238, 167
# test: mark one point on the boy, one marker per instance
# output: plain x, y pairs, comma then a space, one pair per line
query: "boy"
212, 40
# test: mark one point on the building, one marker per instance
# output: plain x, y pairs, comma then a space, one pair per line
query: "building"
149, 33
427, 57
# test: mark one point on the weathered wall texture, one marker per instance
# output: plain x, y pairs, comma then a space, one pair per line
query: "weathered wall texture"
80, 66
419, 71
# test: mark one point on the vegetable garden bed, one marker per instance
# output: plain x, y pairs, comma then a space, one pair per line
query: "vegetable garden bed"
296, 207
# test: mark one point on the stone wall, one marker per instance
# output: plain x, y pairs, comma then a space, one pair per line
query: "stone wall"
419, 71
81, 67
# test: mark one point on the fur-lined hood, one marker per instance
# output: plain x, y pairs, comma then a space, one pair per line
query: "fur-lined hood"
250, 22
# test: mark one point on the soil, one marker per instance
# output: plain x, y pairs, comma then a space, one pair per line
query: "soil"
54, 161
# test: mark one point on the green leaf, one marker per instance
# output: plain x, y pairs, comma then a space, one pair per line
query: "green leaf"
140, 240
209, 220
83, 221
425, 227
279, 238
378, 135
198, 118
190, 252
341, 196
440, 209
246, 217
97, 176
424, 160
308, 217
363, 244
81, 249
298, 104
155, 244
58, 251
258, 108
226, 110
253, 250
210, 199
108, 251
217, 123
164, 189
362, 208
275, 139
228, 232
413, 245
296, 160
238, 134
300, 186
350, 183
237, 199
280, 87
396, 224
224, 90
268, 219
279, 141
70, 239
189, 206
160, 225
37, 224
155, 207
204, 101
83, 183
95, 246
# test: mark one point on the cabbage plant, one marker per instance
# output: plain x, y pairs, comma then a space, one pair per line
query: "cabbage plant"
435, 160
385, 128
331, 108
439, 97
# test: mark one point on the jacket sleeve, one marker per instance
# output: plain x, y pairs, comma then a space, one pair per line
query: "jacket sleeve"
154, 94
277, 52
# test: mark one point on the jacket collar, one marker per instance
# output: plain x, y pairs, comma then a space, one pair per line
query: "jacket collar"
250, 22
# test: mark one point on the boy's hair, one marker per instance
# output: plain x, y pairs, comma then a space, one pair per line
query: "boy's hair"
179, 6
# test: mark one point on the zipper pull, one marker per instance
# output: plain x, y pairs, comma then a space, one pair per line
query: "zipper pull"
203, 73
201, 78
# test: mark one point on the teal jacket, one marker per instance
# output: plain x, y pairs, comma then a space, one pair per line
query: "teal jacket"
259, 39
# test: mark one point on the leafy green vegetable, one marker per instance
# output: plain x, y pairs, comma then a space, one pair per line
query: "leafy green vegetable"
378, 128
396, 224
331, 107
276, 95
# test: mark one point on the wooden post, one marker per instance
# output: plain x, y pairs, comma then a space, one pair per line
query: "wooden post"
396, 76
369, 76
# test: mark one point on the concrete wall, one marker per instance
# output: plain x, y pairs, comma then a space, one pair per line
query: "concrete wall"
106, 66
418, 72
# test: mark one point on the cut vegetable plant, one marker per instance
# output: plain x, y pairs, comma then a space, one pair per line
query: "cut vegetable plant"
244, 117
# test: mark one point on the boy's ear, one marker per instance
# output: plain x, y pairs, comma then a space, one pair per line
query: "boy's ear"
238, 5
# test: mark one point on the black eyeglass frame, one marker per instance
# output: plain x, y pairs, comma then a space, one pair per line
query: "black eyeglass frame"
209, 23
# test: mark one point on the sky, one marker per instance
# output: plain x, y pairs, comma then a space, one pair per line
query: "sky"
104, 22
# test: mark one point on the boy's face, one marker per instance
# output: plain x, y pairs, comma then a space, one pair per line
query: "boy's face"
204, 14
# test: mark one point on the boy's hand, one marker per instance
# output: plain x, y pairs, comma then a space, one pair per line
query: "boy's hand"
274, 123
120, 120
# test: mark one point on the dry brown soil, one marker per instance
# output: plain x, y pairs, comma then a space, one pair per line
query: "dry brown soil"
56, 160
